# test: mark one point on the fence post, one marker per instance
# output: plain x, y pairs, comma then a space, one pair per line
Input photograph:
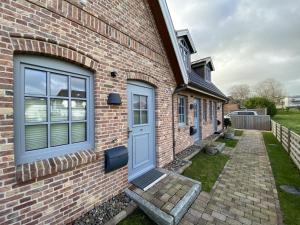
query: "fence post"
289, 141
280, 133
276, 133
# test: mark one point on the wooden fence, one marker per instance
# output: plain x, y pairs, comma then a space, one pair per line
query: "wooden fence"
289, 140
260, 122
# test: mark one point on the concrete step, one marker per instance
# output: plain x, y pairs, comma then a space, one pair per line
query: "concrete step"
168, 200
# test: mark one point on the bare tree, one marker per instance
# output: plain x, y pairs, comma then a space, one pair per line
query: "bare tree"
270, 89
240, 92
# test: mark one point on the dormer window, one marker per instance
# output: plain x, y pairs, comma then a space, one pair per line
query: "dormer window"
185, 53
207, 74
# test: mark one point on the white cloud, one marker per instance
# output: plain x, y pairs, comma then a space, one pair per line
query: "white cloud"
248, 40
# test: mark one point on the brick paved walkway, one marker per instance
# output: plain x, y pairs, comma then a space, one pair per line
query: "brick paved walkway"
245, 193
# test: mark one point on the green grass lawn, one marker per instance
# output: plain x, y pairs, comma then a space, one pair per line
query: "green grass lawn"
228, 142
285, 173
290, 119
138, 217
206, 169
238, 132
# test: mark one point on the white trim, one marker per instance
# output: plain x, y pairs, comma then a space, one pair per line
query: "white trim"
186, 32
173, 37
203, 92
204, 60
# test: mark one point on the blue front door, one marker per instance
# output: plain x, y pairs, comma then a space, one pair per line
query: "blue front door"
141, 125
196, 103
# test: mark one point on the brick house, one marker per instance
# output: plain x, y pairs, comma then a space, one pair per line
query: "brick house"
79, 78
199, 102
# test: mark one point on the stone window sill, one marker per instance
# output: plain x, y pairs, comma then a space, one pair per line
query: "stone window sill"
46, 167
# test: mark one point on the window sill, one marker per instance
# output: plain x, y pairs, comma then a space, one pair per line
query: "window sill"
182, 126
32, 171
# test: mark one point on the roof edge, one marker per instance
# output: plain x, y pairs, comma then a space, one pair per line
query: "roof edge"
206, 92
170, 27
186, 32
204, 60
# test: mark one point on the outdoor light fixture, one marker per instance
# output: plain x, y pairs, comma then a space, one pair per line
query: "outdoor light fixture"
113, 74
192, 106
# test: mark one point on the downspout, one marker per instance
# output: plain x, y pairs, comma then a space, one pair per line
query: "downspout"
178, 89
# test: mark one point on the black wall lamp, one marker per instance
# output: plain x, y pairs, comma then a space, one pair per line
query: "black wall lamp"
192, 106
114, 99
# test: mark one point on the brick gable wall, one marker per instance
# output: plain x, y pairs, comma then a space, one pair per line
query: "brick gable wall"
102, 36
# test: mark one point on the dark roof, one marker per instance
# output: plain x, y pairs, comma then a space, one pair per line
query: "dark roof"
204, 61
198, 82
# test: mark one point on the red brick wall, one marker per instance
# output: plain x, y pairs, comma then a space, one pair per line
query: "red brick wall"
229, 107
102, 36
182, 134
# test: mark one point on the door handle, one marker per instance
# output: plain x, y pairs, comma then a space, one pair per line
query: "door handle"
128, 132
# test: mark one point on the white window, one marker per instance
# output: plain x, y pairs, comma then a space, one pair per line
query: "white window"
207, 74
185, 53
210, 110
54, 108
205, 110
182, 110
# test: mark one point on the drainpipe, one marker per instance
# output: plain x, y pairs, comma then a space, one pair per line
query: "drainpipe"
177, 89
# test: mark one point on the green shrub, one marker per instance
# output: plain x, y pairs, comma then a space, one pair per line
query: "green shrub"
227, 122
261, 102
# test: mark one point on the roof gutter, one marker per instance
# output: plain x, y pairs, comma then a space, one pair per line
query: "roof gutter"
170, 27
206, 93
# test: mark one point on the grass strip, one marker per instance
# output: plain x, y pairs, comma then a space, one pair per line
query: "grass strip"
285, 173
231, 143
206, 169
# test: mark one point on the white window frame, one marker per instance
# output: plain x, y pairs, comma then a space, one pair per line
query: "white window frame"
207, 74
49, 65
183, 105
185, 53
205, 110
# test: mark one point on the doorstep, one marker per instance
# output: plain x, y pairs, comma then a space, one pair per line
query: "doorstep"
168, 200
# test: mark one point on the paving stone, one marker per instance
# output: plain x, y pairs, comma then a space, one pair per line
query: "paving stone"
165, 197
168, 207
207, 217
245, 192
219, 216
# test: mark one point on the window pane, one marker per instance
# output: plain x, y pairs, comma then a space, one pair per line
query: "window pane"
78, 110
35, 137
59, 134
59, 110
59, 85
143, 102
181, 118
136, 117
35, 110
35, 82
78, 132
78, 87
136, 102
144, 117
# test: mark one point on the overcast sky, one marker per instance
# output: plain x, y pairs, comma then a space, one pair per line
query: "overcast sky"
249, 40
